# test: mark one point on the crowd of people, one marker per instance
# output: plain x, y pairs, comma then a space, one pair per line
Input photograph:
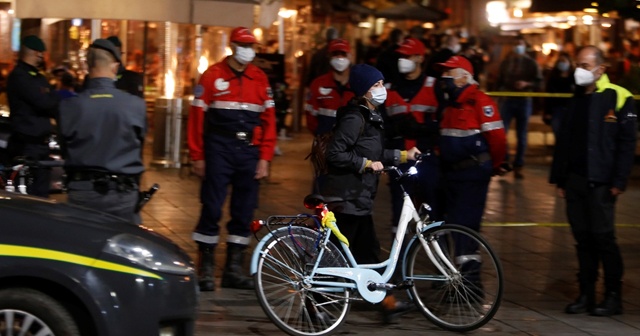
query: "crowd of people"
419, 98
409, 97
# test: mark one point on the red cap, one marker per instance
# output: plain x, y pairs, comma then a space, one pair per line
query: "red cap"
339, 45
242, 35
412, 46
457, 62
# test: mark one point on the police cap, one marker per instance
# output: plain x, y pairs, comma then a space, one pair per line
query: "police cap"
105, 44
33, 42
115, 40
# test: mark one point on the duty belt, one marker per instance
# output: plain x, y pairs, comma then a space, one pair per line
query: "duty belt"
240, 135
102, 182
473, 161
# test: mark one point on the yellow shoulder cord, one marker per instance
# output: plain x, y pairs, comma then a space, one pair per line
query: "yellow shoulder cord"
329, 221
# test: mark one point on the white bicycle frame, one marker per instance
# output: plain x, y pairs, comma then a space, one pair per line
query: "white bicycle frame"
371, 285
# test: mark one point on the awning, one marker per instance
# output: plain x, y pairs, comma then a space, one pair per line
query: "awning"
410, 11
548, 6
223, 13
207, 12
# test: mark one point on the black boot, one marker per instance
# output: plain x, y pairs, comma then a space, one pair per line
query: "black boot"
206, 262
587, 299
611, 305
232, 276
581, 305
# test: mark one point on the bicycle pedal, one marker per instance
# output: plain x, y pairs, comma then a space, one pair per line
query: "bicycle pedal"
406, 284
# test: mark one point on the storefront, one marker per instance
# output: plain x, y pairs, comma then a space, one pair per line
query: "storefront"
167, 40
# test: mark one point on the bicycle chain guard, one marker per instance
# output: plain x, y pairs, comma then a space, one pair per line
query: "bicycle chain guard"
362, 279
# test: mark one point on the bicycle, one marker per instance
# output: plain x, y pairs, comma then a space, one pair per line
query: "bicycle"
306, 286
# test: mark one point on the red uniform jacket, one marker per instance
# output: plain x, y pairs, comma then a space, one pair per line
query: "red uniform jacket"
422, 106
472, 126
235, 103
322, 103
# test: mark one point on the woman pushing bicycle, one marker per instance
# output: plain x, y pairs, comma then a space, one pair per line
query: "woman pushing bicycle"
355, 148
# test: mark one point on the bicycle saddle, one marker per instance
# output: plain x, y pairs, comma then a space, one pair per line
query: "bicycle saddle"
314, 200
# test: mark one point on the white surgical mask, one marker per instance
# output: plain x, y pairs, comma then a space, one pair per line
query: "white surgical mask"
244, 55
340, 63
456, 48
584, 77
378, 96
519, 49
406, 65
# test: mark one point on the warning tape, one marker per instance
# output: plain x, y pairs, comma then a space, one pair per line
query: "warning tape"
537, 94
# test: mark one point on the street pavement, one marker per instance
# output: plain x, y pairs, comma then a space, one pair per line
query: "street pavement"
524, 222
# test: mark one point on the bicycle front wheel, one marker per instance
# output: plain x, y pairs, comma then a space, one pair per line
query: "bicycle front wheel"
295, 307
464, 293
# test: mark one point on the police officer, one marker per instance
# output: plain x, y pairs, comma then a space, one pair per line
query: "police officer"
327, 93
128, 81
411, 118
472, 148
102, 132
32, 105
231, 144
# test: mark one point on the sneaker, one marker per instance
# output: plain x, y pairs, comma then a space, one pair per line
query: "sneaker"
283, 135
277, 151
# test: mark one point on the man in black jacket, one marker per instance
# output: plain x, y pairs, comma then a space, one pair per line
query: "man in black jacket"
32, 106
592, 162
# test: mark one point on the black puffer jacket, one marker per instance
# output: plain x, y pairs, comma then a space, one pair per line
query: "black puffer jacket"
358, 137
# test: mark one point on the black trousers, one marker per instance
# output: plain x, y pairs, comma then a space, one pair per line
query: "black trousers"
363, 241
590, 210
117, 203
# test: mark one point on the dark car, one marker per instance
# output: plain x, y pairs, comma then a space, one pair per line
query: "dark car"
66, 270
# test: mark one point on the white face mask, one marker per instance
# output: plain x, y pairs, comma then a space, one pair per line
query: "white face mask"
584, 77
244, 55
378, 96
340, 64
406, 65
519, 49
456, 48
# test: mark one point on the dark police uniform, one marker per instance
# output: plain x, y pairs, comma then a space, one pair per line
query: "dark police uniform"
102, 132
32, 106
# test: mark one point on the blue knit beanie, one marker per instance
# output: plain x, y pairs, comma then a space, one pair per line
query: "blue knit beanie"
362, 77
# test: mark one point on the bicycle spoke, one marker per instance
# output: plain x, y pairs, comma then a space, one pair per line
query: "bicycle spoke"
294, 306
465, 297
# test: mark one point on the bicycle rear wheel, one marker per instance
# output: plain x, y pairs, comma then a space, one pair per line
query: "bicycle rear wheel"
296, 308
460, 300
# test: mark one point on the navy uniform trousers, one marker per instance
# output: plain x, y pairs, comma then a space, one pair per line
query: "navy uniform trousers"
466, 196
228, 162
